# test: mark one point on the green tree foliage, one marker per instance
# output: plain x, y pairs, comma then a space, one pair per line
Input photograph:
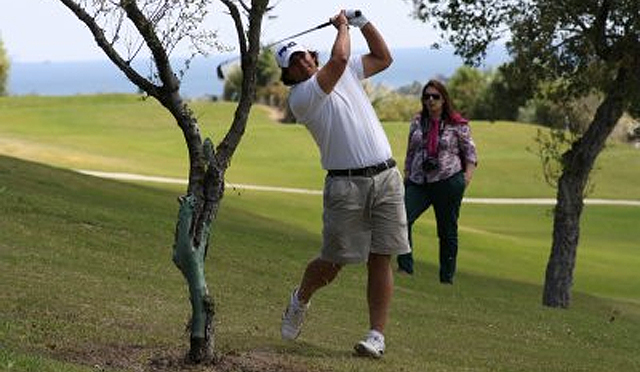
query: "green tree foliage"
4, 70
269, 89
232, 84
486, 95
267, 73
391, 105
466, 86
573, 115
502, 97
583, 48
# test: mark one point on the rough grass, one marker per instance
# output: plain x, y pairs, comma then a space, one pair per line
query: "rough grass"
87, 283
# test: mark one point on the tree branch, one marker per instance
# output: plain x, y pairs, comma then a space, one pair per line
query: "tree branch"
600, 31
169, 80
237, 20
227, 147
109, 50
244, 6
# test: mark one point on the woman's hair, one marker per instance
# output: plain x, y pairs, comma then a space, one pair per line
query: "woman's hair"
447, 106
284, 76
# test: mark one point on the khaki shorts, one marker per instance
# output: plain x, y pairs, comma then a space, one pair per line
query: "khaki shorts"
364, 215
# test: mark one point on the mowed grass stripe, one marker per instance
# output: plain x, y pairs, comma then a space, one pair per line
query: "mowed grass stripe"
123, 133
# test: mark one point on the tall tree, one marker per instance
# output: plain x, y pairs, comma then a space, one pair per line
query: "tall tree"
584, 46
466, 86
4, 69
125, 28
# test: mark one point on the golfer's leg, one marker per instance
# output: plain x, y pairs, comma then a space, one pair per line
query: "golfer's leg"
379, 290
317, 274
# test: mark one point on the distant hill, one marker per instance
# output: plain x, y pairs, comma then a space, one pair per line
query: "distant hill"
69, 78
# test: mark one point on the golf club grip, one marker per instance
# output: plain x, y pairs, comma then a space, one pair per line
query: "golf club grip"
356, 14
351, 14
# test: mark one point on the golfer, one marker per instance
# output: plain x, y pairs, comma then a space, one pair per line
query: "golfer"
364, 217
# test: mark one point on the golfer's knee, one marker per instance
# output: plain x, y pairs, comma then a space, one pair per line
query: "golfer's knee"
378, 259
325, 269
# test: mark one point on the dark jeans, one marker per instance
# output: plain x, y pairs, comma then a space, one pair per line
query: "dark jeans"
445, 196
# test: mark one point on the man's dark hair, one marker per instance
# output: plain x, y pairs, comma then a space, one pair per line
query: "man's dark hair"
284, 77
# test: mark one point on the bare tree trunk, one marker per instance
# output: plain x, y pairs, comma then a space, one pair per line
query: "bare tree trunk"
577, 164
190, 260
207, 164
193, 228
199, 208
566, 233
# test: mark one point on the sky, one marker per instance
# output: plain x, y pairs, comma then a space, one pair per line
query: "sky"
45, 30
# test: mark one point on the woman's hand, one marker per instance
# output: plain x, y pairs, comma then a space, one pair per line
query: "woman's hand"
468, 173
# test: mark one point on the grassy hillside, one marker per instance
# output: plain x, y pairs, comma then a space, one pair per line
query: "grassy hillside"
123, 133
87, 283
86, 280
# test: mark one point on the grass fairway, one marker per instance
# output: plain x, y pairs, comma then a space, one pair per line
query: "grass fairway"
122, 133
87, 282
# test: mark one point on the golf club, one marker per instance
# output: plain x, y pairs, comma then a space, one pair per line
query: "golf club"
355, 14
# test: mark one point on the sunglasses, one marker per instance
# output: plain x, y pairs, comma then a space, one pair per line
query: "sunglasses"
430, 96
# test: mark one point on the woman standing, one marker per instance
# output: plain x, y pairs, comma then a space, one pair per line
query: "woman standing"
441, 158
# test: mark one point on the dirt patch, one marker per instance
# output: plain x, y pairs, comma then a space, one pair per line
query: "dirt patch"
251, 361
136, 358
104, 357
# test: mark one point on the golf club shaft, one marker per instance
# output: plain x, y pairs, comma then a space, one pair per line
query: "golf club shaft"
356, 13
328, 23
219, 69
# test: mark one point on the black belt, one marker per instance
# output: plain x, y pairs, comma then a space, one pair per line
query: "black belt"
363, 172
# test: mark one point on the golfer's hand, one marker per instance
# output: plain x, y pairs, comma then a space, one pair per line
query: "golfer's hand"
356, 18
340, 19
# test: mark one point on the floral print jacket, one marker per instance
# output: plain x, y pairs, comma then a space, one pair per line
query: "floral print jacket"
455, 149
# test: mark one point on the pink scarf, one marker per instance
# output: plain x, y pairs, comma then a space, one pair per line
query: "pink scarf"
433, 133
432, 137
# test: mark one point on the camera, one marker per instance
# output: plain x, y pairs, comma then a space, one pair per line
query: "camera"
430, 164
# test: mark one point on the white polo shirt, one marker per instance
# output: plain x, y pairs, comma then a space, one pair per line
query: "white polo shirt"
343, 123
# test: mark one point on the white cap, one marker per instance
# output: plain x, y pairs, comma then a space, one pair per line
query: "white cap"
285, 50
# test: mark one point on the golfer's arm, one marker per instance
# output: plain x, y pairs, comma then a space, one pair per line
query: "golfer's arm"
379, 56
330, 73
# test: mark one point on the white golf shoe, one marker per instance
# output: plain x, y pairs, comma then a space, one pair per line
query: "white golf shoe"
372, 345
293, 317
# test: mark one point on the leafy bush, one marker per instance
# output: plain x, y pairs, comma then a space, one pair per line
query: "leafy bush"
391, 105
575, 115
232, 85
396, 107
4, 70
466, 87
267, 77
